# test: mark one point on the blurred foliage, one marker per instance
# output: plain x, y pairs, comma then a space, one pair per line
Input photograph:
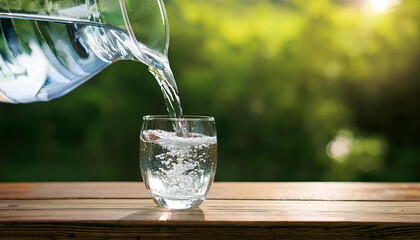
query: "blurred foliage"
301, 91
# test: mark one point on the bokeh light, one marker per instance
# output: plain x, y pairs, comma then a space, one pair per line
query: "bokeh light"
382, 5
339, 147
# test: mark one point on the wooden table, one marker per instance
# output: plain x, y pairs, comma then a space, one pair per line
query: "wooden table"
114, 210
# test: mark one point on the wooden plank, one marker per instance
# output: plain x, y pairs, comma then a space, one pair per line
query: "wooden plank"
318, 231
109, 210
218, 211
223, 219
337, 191
314, 231
60, 190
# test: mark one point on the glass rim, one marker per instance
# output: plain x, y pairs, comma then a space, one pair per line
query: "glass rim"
185, 118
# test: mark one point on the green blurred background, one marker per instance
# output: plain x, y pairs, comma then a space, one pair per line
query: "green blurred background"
301, 91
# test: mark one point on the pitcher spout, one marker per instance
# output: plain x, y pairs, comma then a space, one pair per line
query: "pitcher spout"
53, 46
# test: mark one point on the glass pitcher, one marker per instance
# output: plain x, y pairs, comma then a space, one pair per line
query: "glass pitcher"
49, 47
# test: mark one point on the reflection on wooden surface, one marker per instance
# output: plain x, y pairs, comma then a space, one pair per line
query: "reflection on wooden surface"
233, 210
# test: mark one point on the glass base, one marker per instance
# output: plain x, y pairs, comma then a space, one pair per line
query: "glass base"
177, 203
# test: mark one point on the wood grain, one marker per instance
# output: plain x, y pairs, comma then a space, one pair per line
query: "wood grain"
217, 211
337, 191
232, 211
59, 190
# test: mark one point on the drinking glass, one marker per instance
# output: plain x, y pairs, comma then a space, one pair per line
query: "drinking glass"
178, 166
